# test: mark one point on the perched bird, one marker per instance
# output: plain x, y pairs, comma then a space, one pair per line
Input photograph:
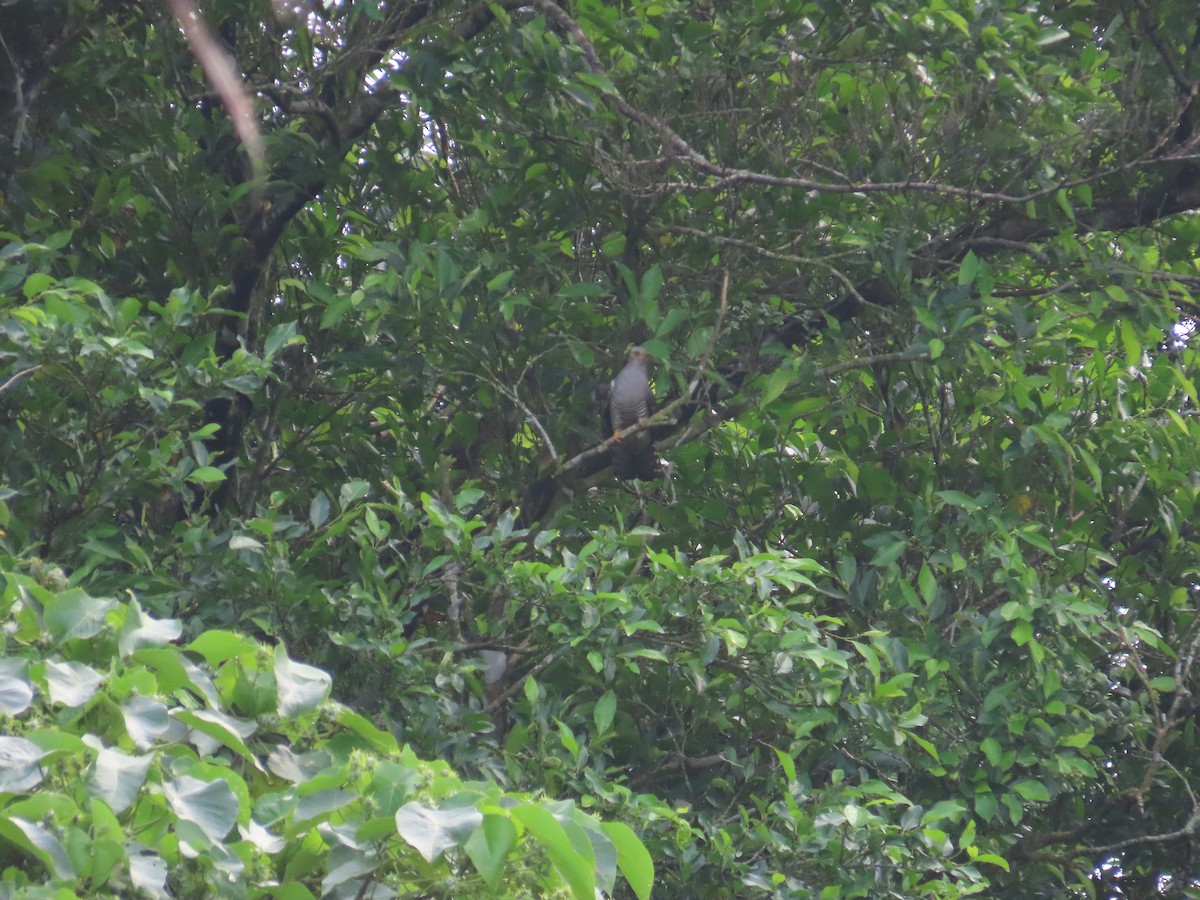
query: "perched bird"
630, 400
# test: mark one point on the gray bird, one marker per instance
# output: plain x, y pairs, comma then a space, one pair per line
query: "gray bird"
631, 400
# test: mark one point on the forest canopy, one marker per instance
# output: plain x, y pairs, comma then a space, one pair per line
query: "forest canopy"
331, 565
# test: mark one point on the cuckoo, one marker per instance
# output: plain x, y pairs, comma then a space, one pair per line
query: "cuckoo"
630, 400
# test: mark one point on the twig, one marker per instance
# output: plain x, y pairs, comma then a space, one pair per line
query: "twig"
219, 70
1186, 831
692, 763
728, 177
865, 361
529, 417
18, 88
4, 387
723, 308
454, 597
1118, 531
549, 658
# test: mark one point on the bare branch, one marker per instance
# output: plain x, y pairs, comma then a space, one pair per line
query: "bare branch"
866, 361
17, 377
219, 70
1187, 831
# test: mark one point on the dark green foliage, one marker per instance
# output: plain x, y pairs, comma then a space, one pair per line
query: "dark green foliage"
912, 610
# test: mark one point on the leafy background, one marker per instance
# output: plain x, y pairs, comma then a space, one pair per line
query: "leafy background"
316, 579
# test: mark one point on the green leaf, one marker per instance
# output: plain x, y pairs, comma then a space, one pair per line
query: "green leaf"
581, 95
381, 741
16, 693
991, 749
147, 871
206, 475
968, 269
530, 689
116, 778
606, 707
888, 553
141, 630
927, 584
952, 810
40, 842
302, 688
216, 646
20, 765
351, 492
1132, 344
613, 245
488, 846
223, 729
71, 683
576, 865
318, 509
1081, 739
432, 831
788, 764
777, 382
211, 806
1033, 791
958, 498
651, 286
500, 282
72, 615
145, 720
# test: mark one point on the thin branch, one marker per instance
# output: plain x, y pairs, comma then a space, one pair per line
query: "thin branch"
865, 361
1002, 244
18, 87
1187, 831
532, 419
450, 575
728, 177
1185, 85
547, 660
1119, 528
219, 69
722, 309
15, 378
695, 763
751, 247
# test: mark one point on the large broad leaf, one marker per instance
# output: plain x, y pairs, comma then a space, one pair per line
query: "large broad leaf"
262, 838
211, 729
301, 688
141, 630
40, 842
117, 778
574, 862
488, 846
147, 871
297, 767
635, 861
433, 831
209, 805
146, 720
216, 646
71, 683
347, 864
72, 614
174, 670
16, 693
20, 768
